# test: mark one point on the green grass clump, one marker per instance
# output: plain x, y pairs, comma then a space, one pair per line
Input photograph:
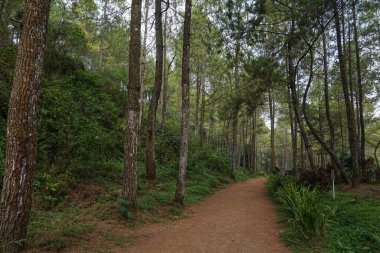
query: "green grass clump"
304, 209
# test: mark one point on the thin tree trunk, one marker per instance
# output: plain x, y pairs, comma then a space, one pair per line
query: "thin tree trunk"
235, 114
150, 152
326, 93
272, 147
293, 131
102, 31
375, 155
180, 189
197, 98
254, 142
166, 71
202, 130
143, 62
349, 110
322, 153
21, 140
360, 89
129, 192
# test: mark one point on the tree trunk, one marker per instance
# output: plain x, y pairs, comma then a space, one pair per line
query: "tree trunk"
129, 192
322, 153
102, 31
180, 189
375, 155
326, 93
21, 141
293, 131
143, 62
318, 136
297, 113
202, 130
150, 152
166, 73
272, 147
349, 110
197, 98
254, 142
360, 89
235, 113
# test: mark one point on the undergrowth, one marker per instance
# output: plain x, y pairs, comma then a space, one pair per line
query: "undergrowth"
314, 222
64, 217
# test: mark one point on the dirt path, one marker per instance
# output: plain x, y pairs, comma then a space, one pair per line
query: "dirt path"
237, 219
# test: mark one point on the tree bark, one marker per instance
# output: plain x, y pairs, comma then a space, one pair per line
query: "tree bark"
202, 130
102, 31
235, 114
129, 192
21, 140
180, 189
166, 72
293, 131
143, 62
349, 110
326, 93
150, 152
197, 98
360, 89
272, 147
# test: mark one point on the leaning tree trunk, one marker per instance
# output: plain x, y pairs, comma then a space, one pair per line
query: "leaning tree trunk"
180, 189
150, 154
297, 112
315, 133
129, 192
21, 143
349, 110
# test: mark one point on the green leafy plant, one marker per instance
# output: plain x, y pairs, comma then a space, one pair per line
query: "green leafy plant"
305, 210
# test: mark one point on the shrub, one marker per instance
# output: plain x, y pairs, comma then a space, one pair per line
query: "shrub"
304, 208
275, 182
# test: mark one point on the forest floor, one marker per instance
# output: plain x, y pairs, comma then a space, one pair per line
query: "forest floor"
238, 218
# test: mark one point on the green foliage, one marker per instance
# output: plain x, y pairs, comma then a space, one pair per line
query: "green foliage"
356, 228
242, 175
276, 182
305, 212
54, 230
51, 188
78, 127
124, 210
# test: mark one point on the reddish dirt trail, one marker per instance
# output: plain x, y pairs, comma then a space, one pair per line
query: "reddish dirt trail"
237, 219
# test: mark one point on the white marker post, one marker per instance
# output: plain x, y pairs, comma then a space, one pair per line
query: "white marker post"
333, 182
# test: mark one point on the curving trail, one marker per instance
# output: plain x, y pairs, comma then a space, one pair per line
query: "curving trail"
237, 219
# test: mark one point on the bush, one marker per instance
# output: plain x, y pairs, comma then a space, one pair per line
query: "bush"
276, 182
304, 208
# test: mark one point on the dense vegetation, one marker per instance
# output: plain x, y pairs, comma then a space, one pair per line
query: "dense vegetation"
319, 223
155, 102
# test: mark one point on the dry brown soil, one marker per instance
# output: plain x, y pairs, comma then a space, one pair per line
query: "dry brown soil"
237, 219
